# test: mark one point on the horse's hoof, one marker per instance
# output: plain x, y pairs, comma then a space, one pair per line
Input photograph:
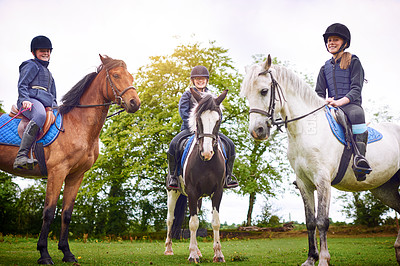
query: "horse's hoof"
218, 259
70, 259
47, 261
195, 260
168, 253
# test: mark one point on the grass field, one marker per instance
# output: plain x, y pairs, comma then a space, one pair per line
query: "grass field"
282, 251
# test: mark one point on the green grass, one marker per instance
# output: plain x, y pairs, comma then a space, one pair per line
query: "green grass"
283, 251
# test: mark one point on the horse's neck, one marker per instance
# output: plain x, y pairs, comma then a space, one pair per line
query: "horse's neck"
92, 118
298, 104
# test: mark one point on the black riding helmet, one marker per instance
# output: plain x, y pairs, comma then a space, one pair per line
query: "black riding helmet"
199, 71
41, 42
340, 30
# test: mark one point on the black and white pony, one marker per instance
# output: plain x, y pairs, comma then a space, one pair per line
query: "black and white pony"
203, 174
313, 151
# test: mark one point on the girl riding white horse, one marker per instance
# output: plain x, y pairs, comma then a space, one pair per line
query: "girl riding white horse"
314, 152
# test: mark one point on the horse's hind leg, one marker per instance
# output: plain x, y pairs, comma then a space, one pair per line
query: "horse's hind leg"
72, 184
52, 193
388, 193
171, 203
307, 194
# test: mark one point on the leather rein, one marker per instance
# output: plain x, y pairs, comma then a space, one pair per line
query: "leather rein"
276, 89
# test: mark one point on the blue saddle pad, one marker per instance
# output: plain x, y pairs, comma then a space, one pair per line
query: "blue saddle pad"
9, 133
338, 131
186, 151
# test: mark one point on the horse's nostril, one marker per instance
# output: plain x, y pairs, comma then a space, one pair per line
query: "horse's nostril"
260, 130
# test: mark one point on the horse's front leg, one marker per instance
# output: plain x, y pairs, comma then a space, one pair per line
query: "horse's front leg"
324, 197
193, 248
307, 194
72, 184
52, 193
215, 223
194, 255
173, 196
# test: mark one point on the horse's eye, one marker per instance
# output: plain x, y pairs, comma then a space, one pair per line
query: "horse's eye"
116, 76
264, 92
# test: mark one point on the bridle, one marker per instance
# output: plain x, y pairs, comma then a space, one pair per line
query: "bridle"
276, 89
213, 135
117, 95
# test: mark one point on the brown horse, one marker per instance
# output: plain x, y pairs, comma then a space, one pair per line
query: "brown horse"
77, 147
203, 174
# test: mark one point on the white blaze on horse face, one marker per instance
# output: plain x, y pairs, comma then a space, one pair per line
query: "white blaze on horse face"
209, 120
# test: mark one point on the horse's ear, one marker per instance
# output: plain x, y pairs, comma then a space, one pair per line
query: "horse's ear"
267, 64
221, 97
195, 94
101, 58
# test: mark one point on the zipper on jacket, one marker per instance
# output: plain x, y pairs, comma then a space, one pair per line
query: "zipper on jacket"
334, 80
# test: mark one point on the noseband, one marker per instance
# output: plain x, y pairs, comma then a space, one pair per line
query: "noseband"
276, 89
117, 94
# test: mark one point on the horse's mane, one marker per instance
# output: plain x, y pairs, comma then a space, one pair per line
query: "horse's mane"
72, 98
206, 103
286, 78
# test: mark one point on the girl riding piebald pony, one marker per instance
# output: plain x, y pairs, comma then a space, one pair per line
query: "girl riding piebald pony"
199, 77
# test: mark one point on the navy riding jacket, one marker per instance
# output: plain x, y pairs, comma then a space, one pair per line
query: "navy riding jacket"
338, 83
186, 104
35, 81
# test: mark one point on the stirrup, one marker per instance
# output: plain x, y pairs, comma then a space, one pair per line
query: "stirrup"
235, 184
27, 164
173, 187
366, 169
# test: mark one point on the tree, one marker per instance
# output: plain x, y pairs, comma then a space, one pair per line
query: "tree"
1, 107
133, 156
365, 209
9, 192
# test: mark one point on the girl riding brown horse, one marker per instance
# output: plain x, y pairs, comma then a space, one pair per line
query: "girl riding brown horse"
77, 147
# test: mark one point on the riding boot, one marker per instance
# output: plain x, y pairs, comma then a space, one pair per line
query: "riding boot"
231, 181
22, 161
361, 166
173, 182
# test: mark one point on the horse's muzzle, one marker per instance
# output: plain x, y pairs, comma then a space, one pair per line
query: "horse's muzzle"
132, 106
206, 156
260, 132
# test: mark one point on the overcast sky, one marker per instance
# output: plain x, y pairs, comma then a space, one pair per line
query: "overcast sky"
133, 30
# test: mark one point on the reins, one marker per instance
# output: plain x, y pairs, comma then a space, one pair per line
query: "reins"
19, 112
270, 114
117, 96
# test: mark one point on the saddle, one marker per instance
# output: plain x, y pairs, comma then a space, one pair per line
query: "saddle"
38, 146
50, 119
343, 131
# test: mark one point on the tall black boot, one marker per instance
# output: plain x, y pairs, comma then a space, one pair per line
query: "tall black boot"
360, 164
231, 181
172, 180
22, 160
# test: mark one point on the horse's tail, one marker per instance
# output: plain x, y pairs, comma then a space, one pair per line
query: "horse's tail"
179, 216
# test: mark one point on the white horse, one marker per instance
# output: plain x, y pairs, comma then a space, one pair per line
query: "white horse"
313, 151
